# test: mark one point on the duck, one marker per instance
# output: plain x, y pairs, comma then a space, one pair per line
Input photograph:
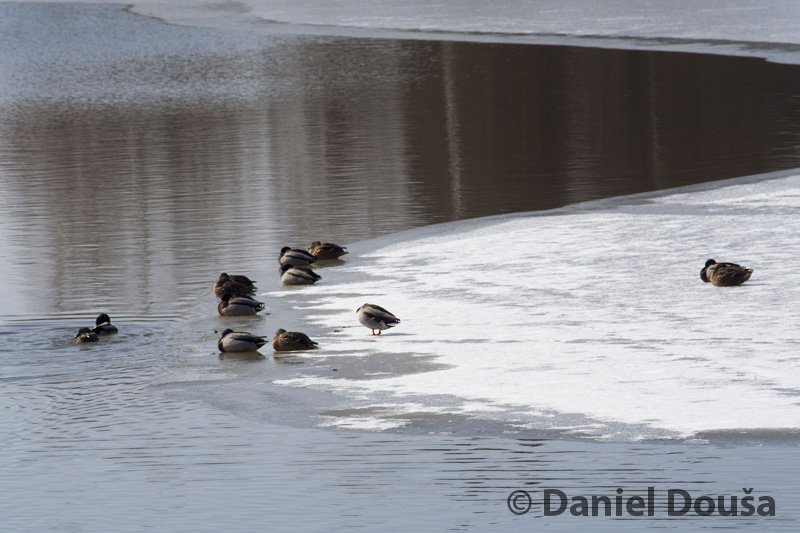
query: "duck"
287, 341
239, 306
294, 275
103, 325
86, 335
725, 274
326, 250
295, 257
376, 317
241, 278
239, 341
235, 285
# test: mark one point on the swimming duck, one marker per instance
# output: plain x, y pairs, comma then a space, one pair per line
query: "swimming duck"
326, 250
86, 335
725, 274
103, 325
376, 317
239, 306
235, 285
239, 341
294, 275
295, 257
286, 341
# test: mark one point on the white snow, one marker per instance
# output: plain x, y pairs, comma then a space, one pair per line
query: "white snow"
592, 316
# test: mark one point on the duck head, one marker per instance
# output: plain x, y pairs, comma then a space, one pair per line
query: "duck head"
704, 271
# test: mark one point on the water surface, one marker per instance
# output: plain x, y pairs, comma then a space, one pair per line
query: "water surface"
138, 160
148, 153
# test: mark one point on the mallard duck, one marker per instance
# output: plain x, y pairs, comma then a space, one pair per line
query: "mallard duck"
725, 274
295, 257
103, 325
234, 285
86, 335
376, 317
244, 280
326, 250
294, 275
239, 306
239, 341
287, 341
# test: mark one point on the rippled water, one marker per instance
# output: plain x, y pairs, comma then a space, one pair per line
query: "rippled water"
139, 160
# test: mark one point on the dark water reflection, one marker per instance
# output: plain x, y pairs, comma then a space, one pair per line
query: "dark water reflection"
148, 158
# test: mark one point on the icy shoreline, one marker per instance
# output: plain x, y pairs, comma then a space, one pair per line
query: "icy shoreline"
763, 29
589, 319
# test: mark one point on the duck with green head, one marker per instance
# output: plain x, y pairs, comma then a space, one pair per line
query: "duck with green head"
724, 274
239, 306
239, 341
295, 257
103, 325
295, 275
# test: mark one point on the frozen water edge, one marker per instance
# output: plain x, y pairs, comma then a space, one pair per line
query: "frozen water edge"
589, 319
763, 29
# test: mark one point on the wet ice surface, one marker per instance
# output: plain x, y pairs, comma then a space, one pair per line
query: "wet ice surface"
590, 319
735, 27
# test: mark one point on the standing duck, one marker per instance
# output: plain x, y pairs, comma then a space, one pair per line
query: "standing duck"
235, 285
287, 341
376, 317
295, 257
725, 274
326, 250
239, 341
103, 325
294, 275
86, 335
239, 306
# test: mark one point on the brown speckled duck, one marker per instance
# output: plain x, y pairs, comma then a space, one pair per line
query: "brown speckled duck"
86, 335
287, 341
326, 250
235, 285
725, 274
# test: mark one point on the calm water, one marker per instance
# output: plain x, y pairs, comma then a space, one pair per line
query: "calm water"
139, 160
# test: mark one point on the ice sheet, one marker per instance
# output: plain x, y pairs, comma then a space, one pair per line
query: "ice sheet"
712, 26
593, 315
758, 28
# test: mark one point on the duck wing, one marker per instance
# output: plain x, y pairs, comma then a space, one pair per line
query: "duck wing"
379, 313
730, 274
